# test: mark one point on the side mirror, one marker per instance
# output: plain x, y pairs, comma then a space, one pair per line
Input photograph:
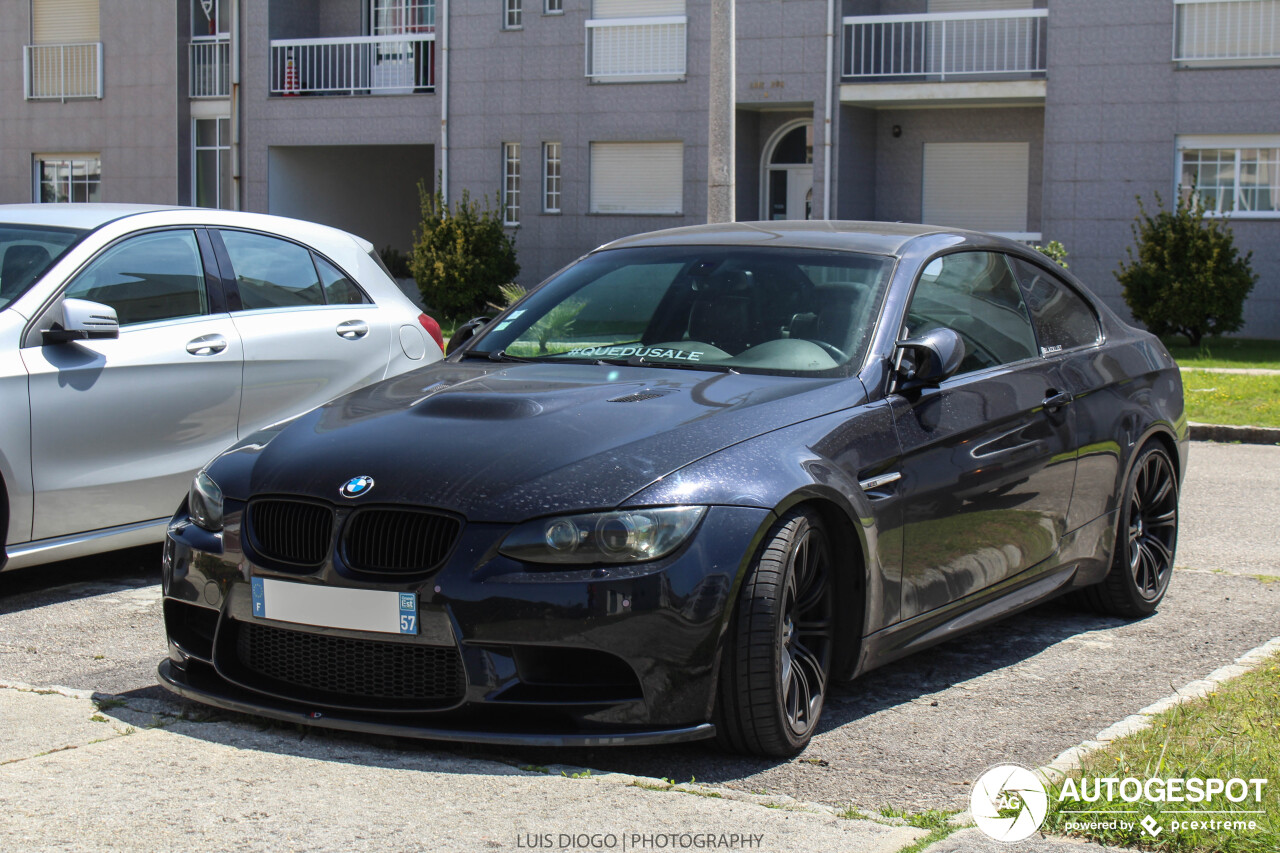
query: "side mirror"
466, 332
83, 320
929, 359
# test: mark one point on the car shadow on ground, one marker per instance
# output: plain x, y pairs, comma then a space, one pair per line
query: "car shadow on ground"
911, 679
70, 580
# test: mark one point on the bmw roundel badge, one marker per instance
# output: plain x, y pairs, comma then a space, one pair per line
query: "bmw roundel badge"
356, 486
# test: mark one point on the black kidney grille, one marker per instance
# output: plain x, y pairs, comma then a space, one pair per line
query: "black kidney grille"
291, 531
342, 667
398, 540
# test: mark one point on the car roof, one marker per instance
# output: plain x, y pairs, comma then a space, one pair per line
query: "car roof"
73, 215
882, 238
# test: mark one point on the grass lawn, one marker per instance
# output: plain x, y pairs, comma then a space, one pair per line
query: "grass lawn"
1225, 352
1233, 733
1232, 398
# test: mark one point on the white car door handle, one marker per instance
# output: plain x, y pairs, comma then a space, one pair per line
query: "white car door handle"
207, 345
353, 329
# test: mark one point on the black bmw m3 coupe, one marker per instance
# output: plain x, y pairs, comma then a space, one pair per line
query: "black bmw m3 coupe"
680, 488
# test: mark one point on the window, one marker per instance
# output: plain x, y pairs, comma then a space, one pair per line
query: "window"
151, 277
511, 183
211, 162
64, 59
1062, 318
1226, 32
978, 185
1236, 175
513, 14
975, 294
209, 19
553, 7
551, 177
338, 289
636, 40
272, 273
26, 251
69, 178
637, 177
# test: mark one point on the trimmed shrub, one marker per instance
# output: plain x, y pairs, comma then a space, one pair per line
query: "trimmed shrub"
461, 257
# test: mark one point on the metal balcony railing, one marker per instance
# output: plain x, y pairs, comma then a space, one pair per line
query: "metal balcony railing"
620, 48
356, 65
62, 71
1226, 30
210, 68
946, 45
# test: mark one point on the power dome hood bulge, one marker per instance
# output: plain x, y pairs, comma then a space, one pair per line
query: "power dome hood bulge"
506, 442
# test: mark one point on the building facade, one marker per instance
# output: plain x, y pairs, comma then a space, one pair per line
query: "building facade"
585, 120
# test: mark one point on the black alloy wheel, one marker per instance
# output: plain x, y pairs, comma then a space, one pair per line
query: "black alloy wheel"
777, 661
1146, 540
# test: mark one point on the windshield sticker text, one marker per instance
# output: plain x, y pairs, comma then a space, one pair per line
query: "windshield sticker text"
643, 352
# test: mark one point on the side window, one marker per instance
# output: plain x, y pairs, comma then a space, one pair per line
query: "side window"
975, 294
272, 273
338, 289
156, 276
1063, 319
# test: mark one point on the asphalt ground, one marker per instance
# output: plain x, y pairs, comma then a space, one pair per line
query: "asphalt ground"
910, 736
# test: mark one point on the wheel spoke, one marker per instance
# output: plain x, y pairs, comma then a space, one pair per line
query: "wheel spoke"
814, 628
1164, 519
1158, 548
798, 706
1164, 486
808, 663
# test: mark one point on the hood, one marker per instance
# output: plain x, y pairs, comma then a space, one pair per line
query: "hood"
506, 442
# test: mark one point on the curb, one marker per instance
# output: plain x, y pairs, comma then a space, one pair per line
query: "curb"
1241, 434
1070, 759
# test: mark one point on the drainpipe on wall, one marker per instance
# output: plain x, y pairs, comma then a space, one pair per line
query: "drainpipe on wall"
442, 39
235, 105
826, 118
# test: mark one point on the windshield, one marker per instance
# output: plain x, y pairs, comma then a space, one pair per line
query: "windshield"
26, 251
791, 311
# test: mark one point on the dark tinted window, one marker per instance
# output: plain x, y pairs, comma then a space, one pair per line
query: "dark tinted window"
975, 294
26, 252
151, 277
1063, 319
338, 288
272, 273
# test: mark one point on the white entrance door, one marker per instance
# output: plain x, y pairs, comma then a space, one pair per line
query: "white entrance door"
788, 175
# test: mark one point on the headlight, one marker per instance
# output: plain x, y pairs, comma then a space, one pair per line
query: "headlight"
204, 503
623, 536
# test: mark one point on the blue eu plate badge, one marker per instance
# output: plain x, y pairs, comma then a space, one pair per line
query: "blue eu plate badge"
408, 613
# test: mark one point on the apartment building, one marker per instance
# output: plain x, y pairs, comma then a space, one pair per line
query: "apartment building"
584, 120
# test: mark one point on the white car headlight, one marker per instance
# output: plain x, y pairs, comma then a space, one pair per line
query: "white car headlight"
621, 536
204, 503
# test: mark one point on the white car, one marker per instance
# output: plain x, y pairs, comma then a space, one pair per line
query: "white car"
137, 342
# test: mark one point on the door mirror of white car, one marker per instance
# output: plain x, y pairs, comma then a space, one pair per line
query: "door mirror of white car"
83, 320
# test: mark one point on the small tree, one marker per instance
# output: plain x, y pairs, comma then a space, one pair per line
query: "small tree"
461, 257
1186, 275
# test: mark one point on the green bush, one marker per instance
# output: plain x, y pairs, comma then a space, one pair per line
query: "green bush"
1055, 252
1186, 276
461, 257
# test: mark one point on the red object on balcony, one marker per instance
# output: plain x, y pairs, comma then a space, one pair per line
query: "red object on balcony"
291, 86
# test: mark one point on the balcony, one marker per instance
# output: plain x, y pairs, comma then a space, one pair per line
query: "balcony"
973, 57
636, 49
62, 71
399, 64
210, 68
1226, 32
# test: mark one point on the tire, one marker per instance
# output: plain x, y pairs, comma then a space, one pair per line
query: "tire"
1146, 539
776, 663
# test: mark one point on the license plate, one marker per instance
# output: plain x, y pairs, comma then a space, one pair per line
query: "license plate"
383, 611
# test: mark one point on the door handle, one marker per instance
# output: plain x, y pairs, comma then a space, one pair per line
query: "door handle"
207, 345
1055, 400
353, 329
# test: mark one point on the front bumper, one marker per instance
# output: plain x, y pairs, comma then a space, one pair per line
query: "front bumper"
586, 656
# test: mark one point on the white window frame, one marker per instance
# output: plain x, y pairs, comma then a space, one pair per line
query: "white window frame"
1254, 25
1237, 143
218, 147
513, 14
93, 164
552, 176
639, 153
553, 7
511, 184
221, 20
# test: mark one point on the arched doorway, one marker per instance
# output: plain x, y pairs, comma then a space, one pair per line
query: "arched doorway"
787, 173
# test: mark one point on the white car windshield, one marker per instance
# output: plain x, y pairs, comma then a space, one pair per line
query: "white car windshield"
777, 310
26, 251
